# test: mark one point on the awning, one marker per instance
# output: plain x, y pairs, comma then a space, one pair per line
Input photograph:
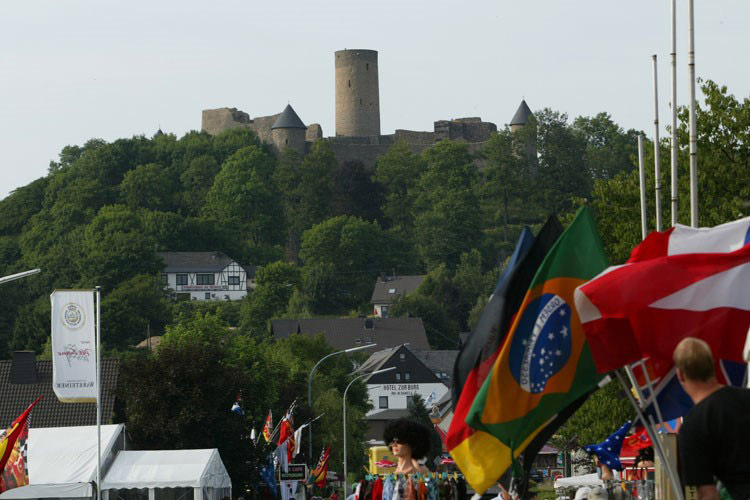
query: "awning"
167, 469
578, 481
64, 490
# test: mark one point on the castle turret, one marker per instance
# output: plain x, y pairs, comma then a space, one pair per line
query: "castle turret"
288, 131
523, 127
357, 94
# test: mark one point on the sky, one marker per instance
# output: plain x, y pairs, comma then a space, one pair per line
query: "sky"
72, 70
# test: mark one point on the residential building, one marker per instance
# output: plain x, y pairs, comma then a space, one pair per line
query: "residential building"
344, 333
390, 392
24, 378
387, 288
204, 276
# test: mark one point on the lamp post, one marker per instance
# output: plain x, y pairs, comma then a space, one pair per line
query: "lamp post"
345, 391
309, 383
17, 276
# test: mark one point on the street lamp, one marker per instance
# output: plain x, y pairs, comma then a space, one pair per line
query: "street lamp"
17, 276
309, 384
345, 391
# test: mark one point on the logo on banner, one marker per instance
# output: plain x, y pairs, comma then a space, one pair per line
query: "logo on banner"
73, 316
545, 350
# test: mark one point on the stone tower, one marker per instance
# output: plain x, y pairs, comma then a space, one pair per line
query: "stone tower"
523, 127
288, 131
357, 95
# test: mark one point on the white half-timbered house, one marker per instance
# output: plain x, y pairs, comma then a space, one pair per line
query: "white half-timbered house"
203, 276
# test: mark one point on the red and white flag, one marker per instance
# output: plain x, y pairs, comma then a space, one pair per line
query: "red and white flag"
683, 282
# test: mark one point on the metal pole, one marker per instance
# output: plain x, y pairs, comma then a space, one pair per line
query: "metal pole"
13, 277
674, 113
642, 182
693, 125
654, 439
346, 484
657, 152
98, 393
309, 383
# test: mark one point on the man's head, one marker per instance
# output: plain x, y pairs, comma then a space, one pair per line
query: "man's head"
694, 361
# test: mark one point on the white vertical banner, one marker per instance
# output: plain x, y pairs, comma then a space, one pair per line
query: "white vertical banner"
74, 346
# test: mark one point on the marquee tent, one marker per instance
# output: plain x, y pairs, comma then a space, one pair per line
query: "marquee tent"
62, 461
201, 470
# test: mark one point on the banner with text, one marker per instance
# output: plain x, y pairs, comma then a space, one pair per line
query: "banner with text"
73, 346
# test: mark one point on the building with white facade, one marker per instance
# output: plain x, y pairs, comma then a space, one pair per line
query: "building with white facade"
390, 392
204, 276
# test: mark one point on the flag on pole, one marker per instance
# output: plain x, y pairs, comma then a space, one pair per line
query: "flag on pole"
237, 406
697, 294
298, 440
608, 451
286, 436
73, 346
268, 427
13, 451
471, 448
318, 474
545, 364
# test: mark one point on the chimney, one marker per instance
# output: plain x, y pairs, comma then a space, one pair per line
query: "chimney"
23, 368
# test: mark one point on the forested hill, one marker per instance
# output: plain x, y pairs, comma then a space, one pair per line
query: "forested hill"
323, 231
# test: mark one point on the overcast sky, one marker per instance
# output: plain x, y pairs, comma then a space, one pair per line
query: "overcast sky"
74, 70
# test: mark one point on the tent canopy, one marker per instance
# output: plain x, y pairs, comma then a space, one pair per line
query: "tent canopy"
578, 481
167, 469
62, 461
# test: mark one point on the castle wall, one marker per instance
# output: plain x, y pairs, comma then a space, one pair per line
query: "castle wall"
215, 121
357, 94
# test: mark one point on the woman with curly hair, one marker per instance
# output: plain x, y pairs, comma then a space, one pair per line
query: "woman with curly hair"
409, 441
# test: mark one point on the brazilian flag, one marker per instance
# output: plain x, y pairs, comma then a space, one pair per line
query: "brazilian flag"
545, 364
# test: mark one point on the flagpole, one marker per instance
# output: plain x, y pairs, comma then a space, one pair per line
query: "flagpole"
693, 125
98, 394
674, 113
642, 181
652, 435
657, 153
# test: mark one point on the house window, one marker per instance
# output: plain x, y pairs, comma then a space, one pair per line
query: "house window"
383, 403
402, 356
208, 295
182, 279
398, 376
205, 279
350, 83
360, 101
234, 280
384, 311
407, 376
391, 290
367, 66
409, 399
164, 279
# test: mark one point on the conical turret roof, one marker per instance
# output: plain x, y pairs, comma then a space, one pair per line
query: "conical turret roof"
288, 119
522, 114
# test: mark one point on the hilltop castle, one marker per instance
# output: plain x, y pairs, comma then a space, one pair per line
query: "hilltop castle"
358, 134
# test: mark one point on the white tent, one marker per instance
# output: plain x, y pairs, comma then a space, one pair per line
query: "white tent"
578, 481
62, 461
201, 470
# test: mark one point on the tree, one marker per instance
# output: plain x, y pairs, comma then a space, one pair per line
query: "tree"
245, 198
114, 249
349, 249
179, 397
149, 186
196, 180
136, 307
306, 186
275, 284
609, 149
448, 220
398, 171
354, 193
